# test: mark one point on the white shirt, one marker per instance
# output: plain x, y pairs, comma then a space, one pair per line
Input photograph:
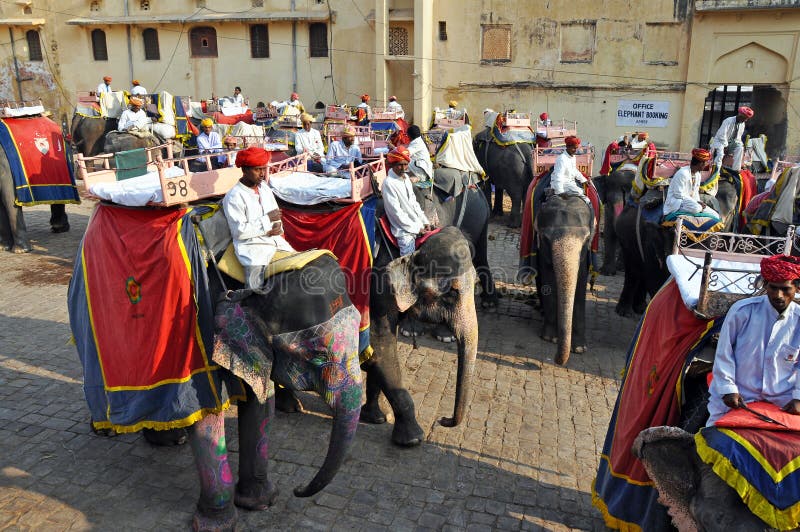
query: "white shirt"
401, 206
757, 355
132, 120
339, 154
729, 131
237, 99
565, 172
365, 106
310, 141
420, 159
138, 89
248, 218
684, 192
103, 88
396, 108
209, 143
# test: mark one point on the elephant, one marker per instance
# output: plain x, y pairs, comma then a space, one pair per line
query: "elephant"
613, 189
696, 497
565, 226
88, 134
510, 169
433, 283
646, 267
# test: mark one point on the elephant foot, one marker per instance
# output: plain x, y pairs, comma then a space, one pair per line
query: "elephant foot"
407, 434
165, 438
609, 271
624, 310
19, 250
224, 520
412, 327
497, 214
286, 401
443, 333
639, 308
551, 339
263, 498
372, 414
60, 228
515, 222
489, 302
6, 247
579, 349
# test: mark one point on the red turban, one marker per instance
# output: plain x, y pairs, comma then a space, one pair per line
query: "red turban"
746, 111
701, 155
606, 168
543, 117
107, 78
294, 96
643, 135
572, 141
365, 97
780, 268
253, 157
392, 98
398, 154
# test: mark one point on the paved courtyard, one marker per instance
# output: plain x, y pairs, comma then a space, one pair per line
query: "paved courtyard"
524, 459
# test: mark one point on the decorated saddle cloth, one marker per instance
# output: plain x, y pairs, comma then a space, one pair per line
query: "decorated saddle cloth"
779, 205
694, 222
141, 315
283, 261
528, 242
38, 159
505, 136
762, 466
649, 396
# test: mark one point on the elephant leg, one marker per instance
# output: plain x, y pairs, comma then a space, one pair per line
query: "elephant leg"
516, 194
59, 223
609, 242
14, 233
389, 377
254, 491
215, 510
371, 411
548, 292
497, 208
489, 294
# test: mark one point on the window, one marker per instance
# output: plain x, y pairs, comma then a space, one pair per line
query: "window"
203, 41
151, 49
318, 39
398, 41
577, 42
259, 41
27, 10
144, 5
257, 3
496, 43
99, 49
442, 30
34, 45
94, 6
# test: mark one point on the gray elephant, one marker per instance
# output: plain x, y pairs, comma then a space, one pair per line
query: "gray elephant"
695, 496
435, 284
88, 134
509, 169
565, 226
613, 190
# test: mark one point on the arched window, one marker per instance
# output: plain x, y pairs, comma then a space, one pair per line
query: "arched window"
151, 50
318, 39
34, 45
203, 41
99, 49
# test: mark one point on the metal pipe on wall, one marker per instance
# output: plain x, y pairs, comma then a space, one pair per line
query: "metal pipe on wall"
294, 50
16, 63
130, 50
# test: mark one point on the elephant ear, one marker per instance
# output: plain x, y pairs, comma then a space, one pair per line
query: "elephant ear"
399, 272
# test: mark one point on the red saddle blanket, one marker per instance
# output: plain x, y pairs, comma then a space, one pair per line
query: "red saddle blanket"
386, 227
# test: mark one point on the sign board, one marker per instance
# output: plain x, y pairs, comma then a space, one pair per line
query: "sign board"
642, 113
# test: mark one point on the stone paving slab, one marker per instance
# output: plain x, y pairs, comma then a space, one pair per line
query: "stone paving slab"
524, 459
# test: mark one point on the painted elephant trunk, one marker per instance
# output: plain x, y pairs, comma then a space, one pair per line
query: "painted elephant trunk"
343, 432
566, 263
466, 332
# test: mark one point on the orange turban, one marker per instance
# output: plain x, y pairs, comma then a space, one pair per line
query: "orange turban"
572, 141
543, 117
133, 100
399, 154
746, 111
107, 78
780, 268
135, 82
253, 156
392, 98
365, 97
643, 135
701, 155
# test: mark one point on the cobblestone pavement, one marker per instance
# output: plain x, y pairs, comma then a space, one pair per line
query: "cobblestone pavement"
524, 459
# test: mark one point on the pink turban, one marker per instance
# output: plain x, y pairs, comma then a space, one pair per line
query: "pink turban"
780, 268
746, 111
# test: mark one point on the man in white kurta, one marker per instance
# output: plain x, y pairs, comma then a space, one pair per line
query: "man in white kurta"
729, 138
420, 165
308, 140
395, 107
566, 179
237, 98
134, 118
253, 217
137, 89
683, 194
757, 352
105, 86
401, 205
343, 152
209, 141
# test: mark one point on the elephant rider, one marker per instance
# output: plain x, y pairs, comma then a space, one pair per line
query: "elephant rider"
137, 89
729, 138
294, 101
363, 111
308, 140
105, 86
253, 216
343, 152
757, 352
420, 165
228, 144
238, 97
641, 143
566, 179
209, 141
683, 194
134, 118
402, 208
541, 135
394, 106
